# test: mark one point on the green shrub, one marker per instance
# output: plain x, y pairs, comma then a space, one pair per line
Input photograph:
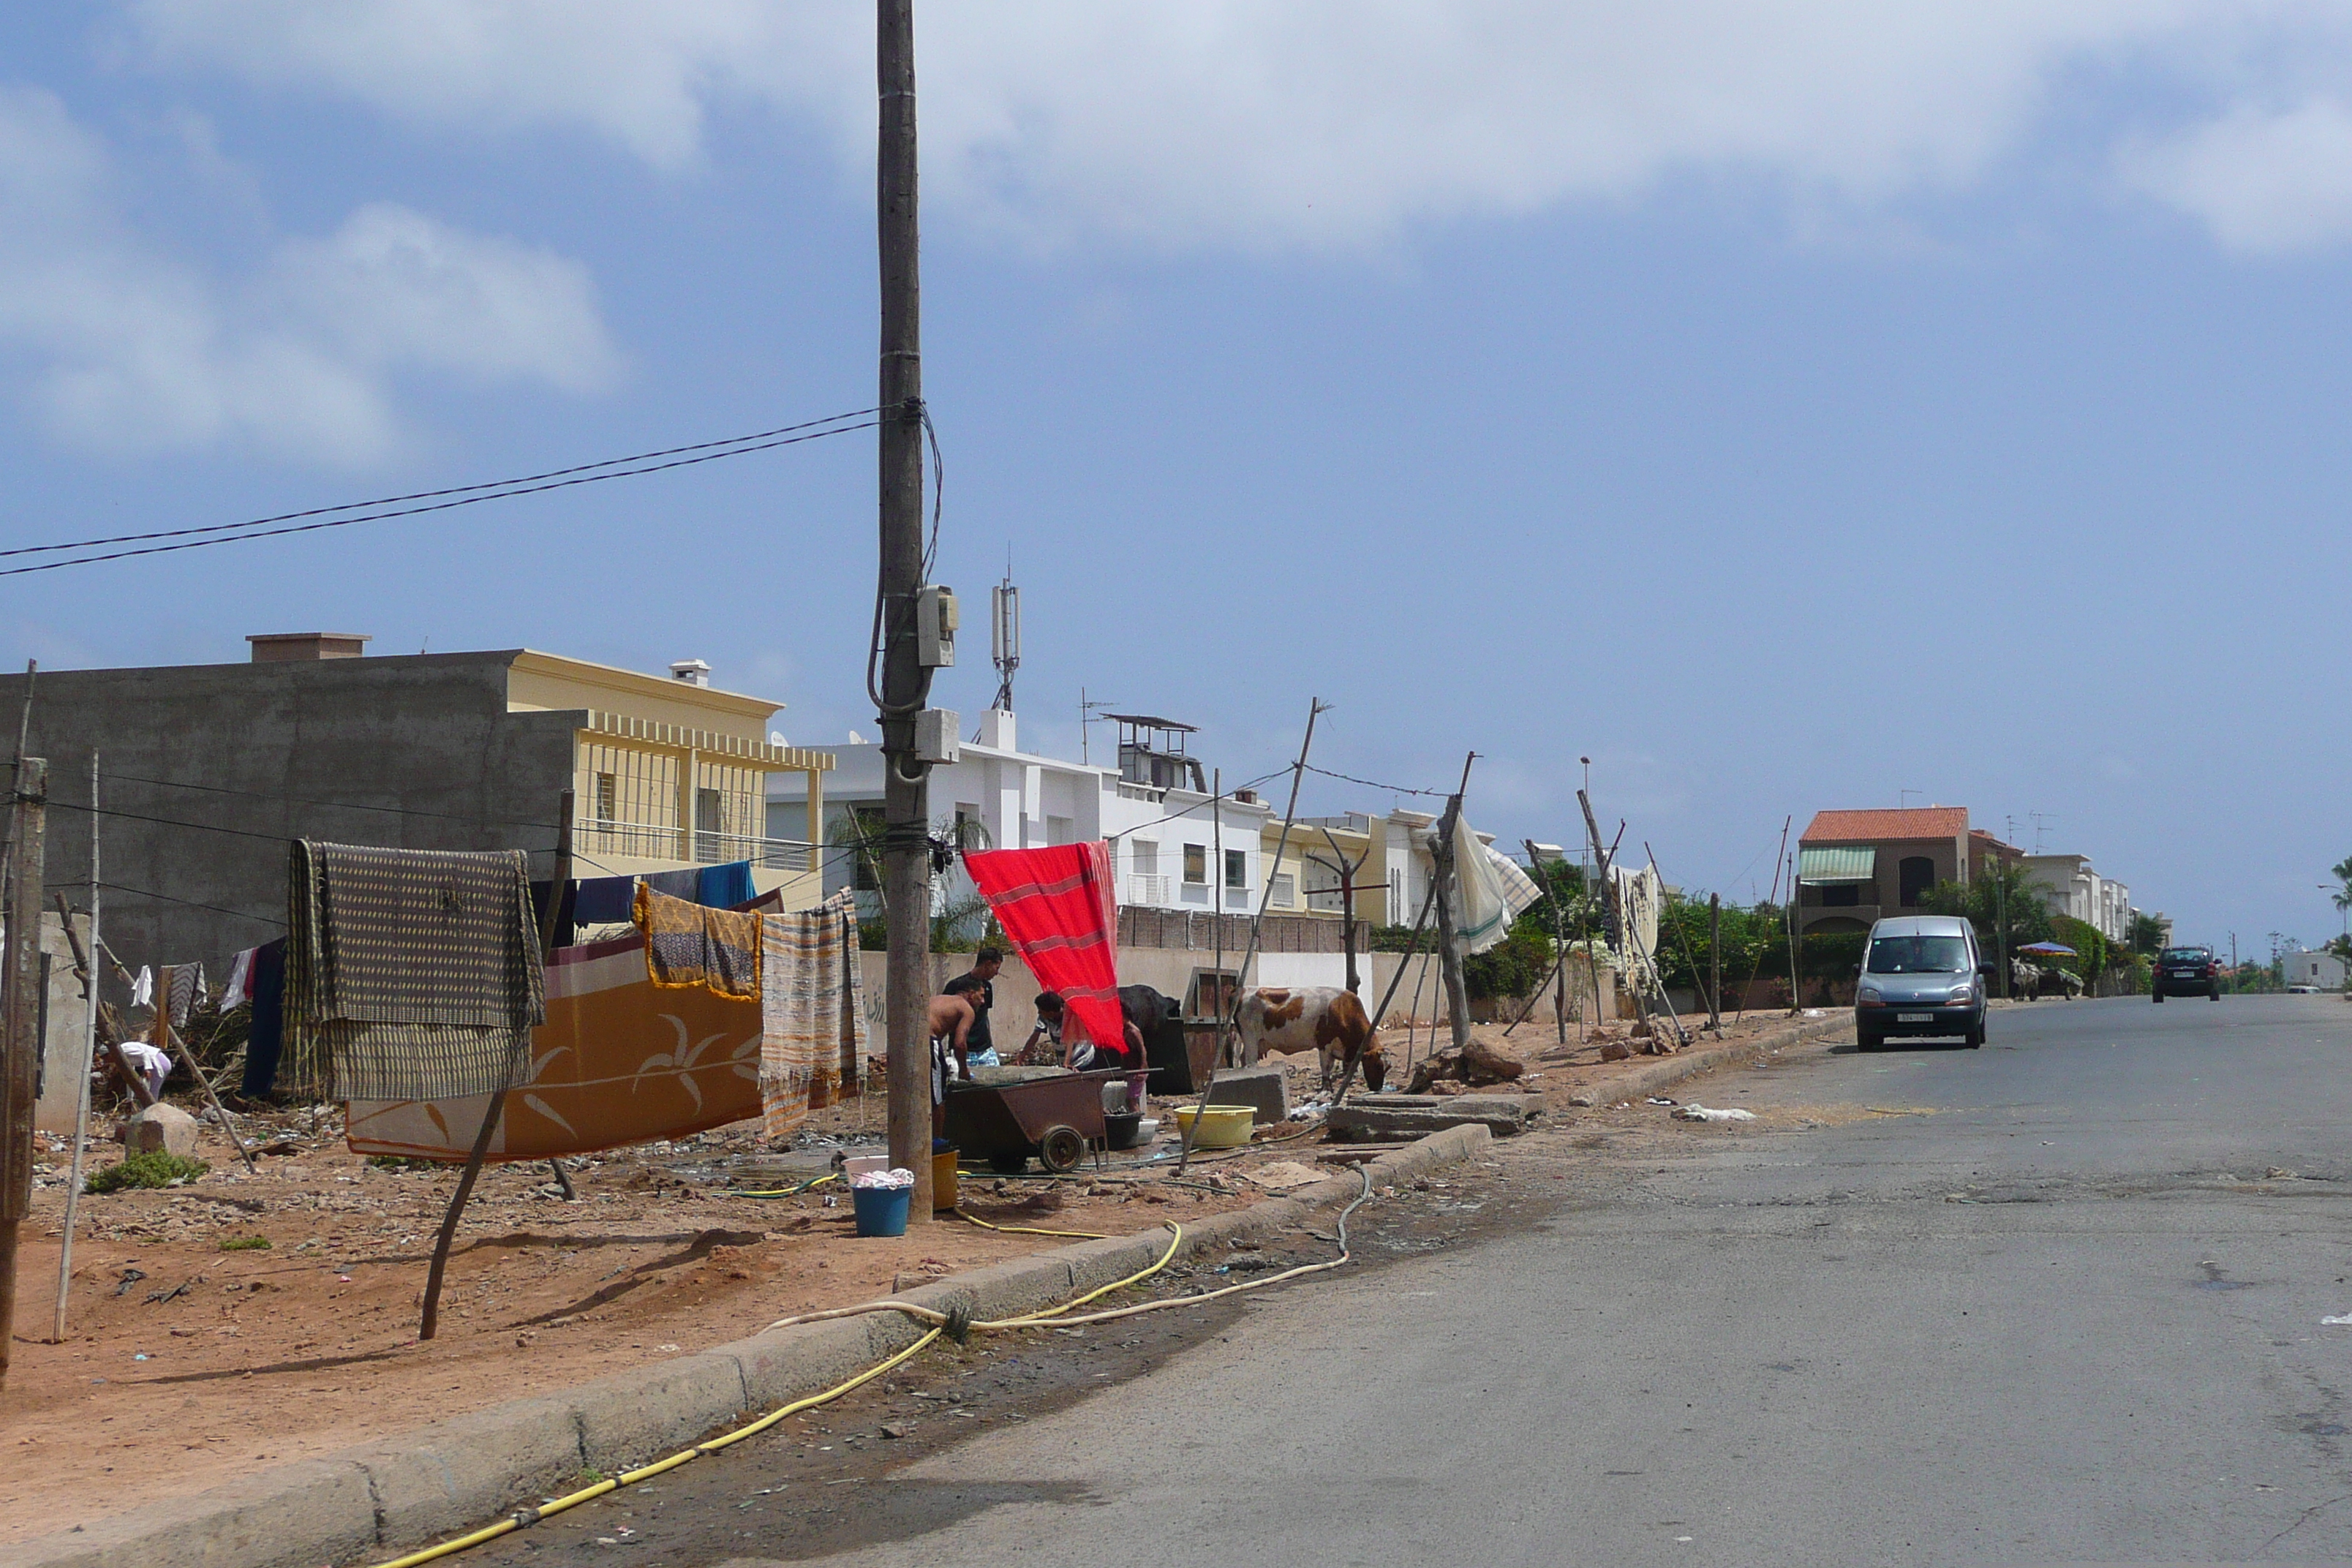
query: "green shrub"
149, 1169
246, 1244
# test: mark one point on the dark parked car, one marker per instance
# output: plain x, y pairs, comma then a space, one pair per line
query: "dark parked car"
2186, 972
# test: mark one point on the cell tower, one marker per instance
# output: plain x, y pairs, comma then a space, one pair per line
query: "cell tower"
1004, 636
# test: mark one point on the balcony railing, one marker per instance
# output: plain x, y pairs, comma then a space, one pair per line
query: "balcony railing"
662, 841
1145, 888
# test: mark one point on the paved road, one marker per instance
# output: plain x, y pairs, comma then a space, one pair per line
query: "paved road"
2066, 1317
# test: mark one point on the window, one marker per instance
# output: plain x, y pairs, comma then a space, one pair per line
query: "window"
1237, 871
1913, 878
1841, 895
1285, 895
1061, 830
1196, 864
1918, 955
1146, 857
709, 823
865, 863
608, 797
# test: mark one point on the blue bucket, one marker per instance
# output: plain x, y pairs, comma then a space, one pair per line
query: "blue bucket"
882, 1211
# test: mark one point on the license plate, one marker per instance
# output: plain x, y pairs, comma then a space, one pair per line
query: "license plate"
1914, 1017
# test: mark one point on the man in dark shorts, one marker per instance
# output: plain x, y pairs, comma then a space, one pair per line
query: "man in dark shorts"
976, 987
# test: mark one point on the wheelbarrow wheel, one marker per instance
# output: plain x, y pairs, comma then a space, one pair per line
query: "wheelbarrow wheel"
1061, 1149
1009, 1162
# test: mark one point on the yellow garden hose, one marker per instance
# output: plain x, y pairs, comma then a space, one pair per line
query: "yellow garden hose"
525, 1517
1028, 1229
938, 1323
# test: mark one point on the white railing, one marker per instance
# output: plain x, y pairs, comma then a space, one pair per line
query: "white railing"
1144, 888
662, 841
1139, 792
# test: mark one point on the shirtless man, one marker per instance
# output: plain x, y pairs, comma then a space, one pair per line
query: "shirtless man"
951, 1026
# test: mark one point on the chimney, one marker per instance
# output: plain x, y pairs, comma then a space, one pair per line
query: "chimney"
693, 671
289, 647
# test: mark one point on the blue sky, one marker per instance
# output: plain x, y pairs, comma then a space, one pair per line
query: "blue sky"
1786, 406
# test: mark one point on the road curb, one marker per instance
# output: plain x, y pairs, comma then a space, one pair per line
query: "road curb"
400, 1491
1666, 1071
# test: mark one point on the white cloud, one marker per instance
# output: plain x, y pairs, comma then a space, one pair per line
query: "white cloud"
129, 352
1274, 123
2265, 181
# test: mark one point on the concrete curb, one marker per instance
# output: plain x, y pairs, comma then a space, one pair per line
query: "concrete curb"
1654, 1077
402, 1491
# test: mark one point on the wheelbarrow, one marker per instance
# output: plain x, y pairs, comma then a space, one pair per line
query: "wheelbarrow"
1007, 1121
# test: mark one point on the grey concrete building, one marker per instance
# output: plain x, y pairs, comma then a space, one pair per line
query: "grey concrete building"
208, 772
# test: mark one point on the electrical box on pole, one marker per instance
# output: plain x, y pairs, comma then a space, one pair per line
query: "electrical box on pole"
935, 627
935, 736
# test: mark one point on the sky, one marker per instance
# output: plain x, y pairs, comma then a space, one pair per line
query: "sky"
1784, 405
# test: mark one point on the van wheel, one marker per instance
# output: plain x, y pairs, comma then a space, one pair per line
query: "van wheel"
1866, 1038
1976, 1035
2215, 993
2159, 994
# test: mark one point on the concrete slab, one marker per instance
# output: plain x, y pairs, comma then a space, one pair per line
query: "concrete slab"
1261, 1089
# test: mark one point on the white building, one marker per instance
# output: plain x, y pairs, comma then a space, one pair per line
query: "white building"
2076, 889
1163, 825
2323, 970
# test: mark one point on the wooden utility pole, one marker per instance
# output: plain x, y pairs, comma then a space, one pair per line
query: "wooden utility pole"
431, 1319
1715, 962
20, 1022
1449, 956
906, 680
1796, 980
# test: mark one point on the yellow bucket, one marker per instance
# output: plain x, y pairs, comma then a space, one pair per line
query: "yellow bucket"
943, 1181
1221, 1126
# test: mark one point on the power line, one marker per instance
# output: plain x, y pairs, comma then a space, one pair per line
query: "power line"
1375, 784
192, 903
473, 495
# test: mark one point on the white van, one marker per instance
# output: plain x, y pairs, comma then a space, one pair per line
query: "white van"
1921, 974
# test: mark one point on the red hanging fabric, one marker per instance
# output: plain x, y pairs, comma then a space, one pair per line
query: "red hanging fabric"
1058, 910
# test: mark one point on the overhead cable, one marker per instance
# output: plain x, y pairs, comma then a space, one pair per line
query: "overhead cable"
468, 495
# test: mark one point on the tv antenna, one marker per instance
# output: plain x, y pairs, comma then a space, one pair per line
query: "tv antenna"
1004, 635
2042, 821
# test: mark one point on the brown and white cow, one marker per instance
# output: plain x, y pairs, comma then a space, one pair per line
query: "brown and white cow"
1322, 1019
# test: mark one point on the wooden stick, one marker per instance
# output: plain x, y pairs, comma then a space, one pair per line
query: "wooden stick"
88, 1049
188, 1059
449, 1233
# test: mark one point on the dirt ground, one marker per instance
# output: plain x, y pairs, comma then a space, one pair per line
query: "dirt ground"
189, 1358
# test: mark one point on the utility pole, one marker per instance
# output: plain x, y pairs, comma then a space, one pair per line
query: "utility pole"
1715, 962
1449, 957
20, 1024
906, 678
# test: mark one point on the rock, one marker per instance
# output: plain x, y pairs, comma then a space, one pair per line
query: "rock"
1616, 1051
1391, 1118
160, 1129
1585, 1101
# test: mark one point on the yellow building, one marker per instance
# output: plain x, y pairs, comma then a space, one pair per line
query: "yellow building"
674, 772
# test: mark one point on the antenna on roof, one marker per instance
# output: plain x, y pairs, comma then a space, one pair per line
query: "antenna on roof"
1004, 634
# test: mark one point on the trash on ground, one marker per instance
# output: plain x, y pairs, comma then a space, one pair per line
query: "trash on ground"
2340, 1322
1705, 1113
1284, 1174
1660, 1099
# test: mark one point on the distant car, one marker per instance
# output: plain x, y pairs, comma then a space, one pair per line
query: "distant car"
2186, 972
2302, 990
1921, 974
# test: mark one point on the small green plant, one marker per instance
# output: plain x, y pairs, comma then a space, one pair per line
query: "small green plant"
401, 1162
150, 1168
246, 1244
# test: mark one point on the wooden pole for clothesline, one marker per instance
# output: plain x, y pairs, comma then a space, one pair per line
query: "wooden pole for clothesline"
431, 1319
88, 972
1449, 956
167, 1039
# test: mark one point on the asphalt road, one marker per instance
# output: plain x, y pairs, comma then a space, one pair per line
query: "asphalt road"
2070, 1316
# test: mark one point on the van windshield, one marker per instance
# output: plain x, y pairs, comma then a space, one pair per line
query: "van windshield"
1917, 955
